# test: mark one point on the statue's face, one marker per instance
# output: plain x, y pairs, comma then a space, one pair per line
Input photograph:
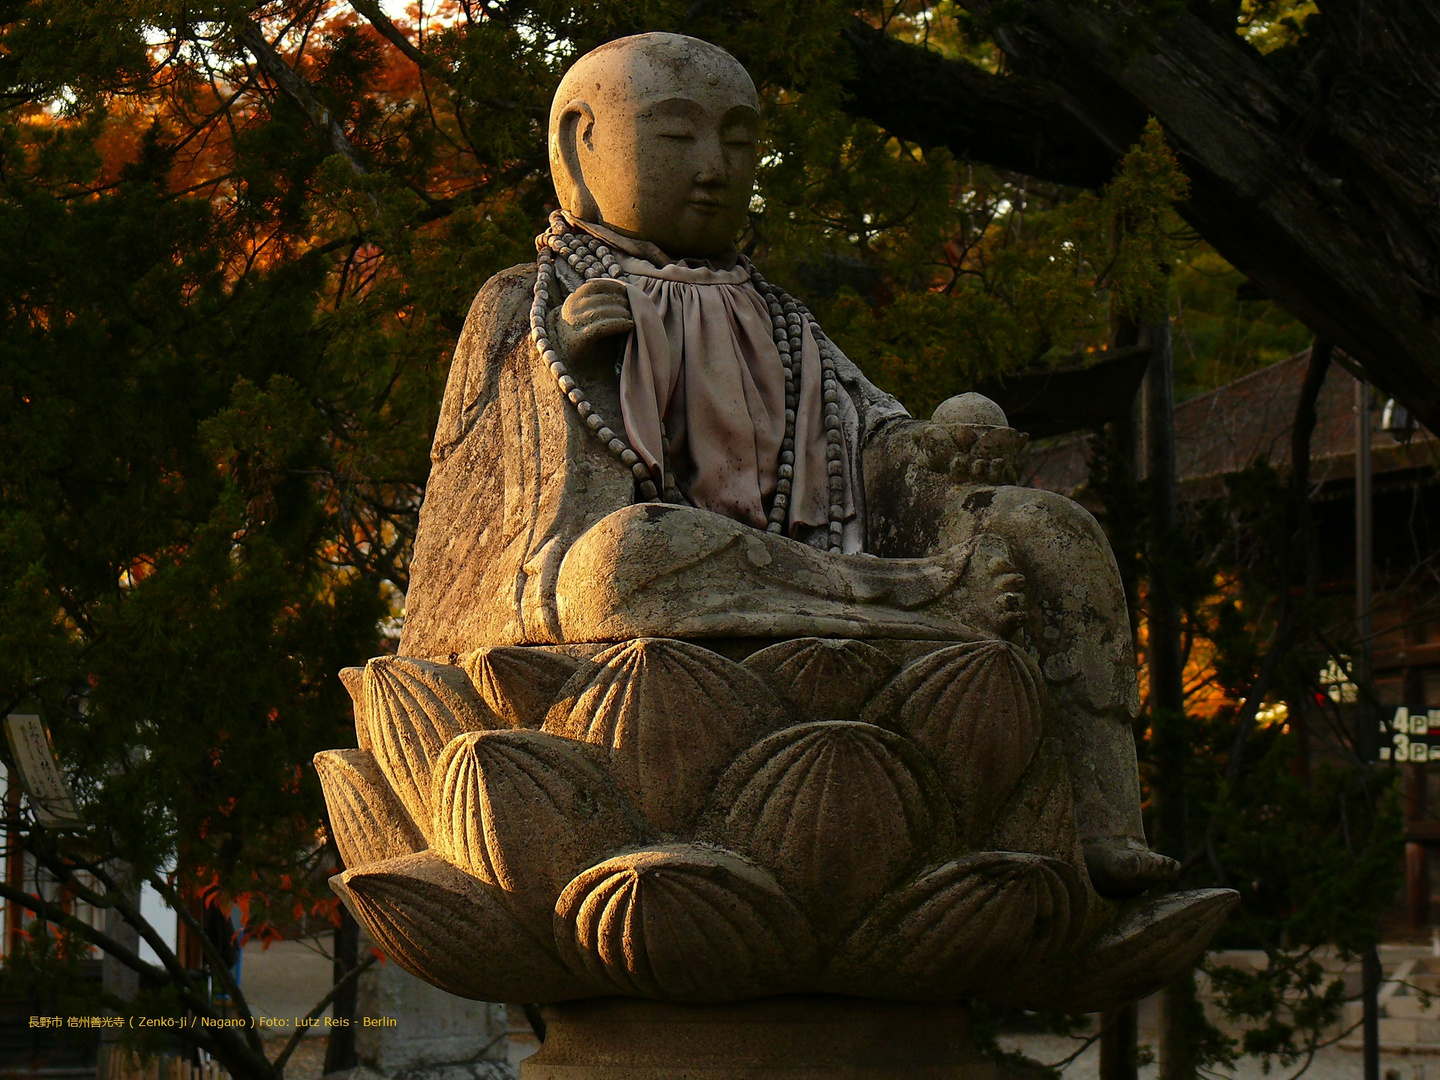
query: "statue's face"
669, 156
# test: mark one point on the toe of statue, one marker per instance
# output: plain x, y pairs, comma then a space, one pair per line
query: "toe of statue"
1121, 867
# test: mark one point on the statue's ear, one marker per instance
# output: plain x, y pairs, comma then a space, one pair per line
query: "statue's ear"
574, 125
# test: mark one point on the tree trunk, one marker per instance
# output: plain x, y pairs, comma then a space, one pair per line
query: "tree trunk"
340, 1045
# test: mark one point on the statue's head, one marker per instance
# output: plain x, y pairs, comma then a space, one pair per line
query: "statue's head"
655, 136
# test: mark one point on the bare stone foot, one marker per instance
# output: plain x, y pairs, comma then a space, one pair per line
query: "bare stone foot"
1121, 866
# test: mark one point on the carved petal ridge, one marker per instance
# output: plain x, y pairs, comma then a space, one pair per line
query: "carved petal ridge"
519, 683
963, 927
838, 810
526, 811
414, 708
368, 820
443, 926
823, 678
672, 715
975, 709
1151, 942
684, 923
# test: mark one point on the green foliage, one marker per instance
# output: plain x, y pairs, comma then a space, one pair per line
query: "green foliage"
963, 276
1218, 337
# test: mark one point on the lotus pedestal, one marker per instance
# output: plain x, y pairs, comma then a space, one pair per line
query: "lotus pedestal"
809, 1037
659, 822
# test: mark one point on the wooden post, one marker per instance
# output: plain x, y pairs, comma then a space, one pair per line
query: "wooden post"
1365, 719
1119, 1037
1417, 856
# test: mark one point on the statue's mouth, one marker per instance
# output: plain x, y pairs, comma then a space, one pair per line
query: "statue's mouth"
706, 205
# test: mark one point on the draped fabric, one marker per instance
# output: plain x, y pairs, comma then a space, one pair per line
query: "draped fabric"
702, 371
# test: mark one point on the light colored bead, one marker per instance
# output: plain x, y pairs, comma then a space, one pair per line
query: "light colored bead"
788, 443
786, 471
639, 470
550, 356
829, 396
566, 383
787, 457
832, 452
782, 500
647, 489
835, 468
628, 456
774, 527
605, 434
584, 408
789, 417
594, 422
576, 396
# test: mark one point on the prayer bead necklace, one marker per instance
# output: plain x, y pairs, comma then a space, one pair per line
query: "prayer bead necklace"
590, 258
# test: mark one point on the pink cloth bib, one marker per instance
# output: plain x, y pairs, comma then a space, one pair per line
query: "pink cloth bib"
702, 361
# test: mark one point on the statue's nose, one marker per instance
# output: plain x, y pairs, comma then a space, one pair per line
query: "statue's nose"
710, 170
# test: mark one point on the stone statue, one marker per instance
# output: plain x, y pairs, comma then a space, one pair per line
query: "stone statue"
722, 677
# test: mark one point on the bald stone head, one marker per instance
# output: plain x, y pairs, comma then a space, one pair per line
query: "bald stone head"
655, 136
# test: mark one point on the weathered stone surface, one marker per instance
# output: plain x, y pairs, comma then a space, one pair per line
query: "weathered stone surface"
784, 1038
823, 678
526, 811
369, 823
961, 928
838, 810
672, 716
1040, 816
975, 711
412, 710
1150, 943
519, 684
684, 923
442, 925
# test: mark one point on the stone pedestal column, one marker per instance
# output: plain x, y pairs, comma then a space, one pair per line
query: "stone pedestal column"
809, 1037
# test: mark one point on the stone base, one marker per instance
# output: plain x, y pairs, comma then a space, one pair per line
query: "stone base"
785, 1038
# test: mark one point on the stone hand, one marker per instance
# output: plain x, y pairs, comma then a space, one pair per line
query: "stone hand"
969, 454
593, 314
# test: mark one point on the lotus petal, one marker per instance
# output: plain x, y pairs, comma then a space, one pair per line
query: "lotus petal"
353, 679
974, 708
526, 811
519, 683
684, 923
413, 710
960, 927
837, 810
369, 823
823, 678
443, 926
1040, 817
1151, 943
672, 715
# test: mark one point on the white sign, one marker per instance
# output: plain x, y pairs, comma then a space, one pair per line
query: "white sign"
39, 772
